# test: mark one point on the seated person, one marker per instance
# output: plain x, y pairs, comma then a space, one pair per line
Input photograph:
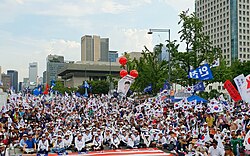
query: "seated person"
115, 142
58, 145
67, 142
22, 141
97, 143
43, 145
80, 143
162, 143
30, 145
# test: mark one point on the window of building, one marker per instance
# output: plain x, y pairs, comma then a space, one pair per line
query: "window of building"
219, 87
240, 55
244, 55
210, 87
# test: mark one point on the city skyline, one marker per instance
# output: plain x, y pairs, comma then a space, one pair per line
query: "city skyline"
34, 29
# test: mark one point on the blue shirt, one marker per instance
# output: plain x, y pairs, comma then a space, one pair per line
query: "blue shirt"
30, 143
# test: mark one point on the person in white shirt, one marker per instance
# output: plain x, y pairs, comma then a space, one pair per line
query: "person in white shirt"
115, 142
43, 145
97, 143
107, 138
153, 139
130, 141
67, 141
136, 137
146, 140
162, 142
58, 146
80, 143
214, 150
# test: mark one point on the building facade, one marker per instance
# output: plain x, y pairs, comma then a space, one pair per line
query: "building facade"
54, 64
13, 79
113, 55
94, 48
227, 23
33, 72
6, 80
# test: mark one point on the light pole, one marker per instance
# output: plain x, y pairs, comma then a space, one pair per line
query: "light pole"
169, 56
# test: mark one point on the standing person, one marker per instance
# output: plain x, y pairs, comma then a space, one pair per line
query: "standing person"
214, 150
80, 144
43, 145
236, 143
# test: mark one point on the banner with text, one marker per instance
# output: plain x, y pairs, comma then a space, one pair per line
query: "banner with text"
232, 91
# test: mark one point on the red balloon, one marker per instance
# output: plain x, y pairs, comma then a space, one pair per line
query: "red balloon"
123, 73
134, 73
123, 60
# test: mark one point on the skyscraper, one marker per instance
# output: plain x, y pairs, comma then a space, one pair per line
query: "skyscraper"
33, 73
13, 79
6, 80
54, 64
227, 22
94, 48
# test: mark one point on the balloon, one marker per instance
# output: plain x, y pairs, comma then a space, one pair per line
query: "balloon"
36, 92
123, 73
134, 73
123, 60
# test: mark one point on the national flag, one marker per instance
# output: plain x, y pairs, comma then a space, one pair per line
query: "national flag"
193, 103
185, 106
217, 108
240, 82
223, 101
86, 85
216, 63
246, 142
189, 89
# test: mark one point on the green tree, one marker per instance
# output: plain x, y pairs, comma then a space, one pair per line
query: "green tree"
99, 86
198, 51
61, 89
150, 69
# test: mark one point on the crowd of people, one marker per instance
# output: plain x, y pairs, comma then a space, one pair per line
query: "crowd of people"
58, 124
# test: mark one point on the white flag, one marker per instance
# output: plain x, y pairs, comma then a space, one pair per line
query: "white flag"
246, 89
216, 63
240, 82
189, 89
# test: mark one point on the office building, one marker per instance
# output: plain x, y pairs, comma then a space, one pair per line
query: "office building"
54, 64
113, 55
13, 79
33, 73
227, 23
44, 77
6, 80
0, 74
94, 48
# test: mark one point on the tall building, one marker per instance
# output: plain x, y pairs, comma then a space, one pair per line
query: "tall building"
6, 80
33, 73
227, 22
44, 77
0, 74
113, 55
54, 64
13, 79
94, 48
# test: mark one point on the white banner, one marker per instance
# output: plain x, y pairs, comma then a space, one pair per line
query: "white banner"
246, 89
240, 82
124, 84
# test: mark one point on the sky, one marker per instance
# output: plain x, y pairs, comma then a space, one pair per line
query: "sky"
30, 30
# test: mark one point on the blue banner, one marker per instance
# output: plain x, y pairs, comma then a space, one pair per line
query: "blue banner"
199, 87
201, 73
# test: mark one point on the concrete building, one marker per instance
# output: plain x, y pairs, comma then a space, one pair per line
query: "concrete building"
54, 64
13, 79
0, 74
73, 75
33, 73
227, 22
113, 55
94, 48
135, 55
6, 80
26, 83
44, 77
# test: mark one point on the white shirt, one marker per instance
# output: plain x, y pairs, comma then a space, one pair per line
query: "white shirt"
67, 142
79, 144
130, 142
59, 144
115, 141
43, 145
215, 152
162, 140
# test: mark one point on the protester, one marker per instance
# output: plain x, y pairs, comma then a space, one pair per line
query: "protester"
63, 123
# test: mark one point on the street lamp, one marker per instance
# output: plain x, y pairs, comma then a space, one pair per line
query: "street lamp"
164, 31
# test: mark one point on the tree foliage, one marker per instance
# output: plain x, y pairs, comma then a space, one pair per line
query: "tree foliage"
150, 69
